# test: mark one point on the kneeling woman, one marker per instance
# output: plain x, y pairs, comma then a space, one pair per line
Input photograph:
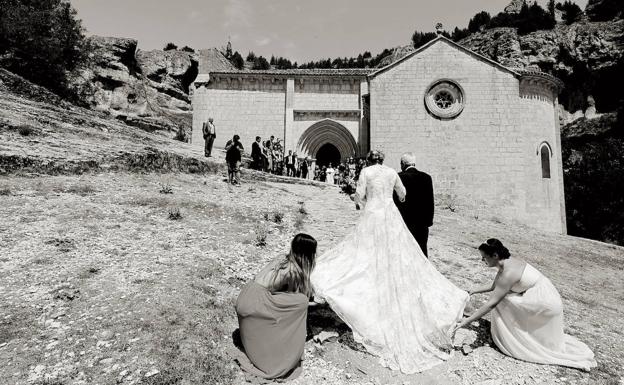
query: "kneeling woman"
527, 313
272, 311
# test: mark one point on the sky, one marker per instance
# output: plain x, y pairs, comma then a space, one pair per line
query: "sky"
300, 30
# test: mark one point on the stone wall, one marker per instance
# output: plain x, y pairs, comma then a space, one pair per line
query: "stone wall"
478, 160
246, 107
256, 105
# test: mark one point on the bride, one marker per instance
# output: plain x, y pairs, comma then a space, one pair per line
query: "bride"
380, 283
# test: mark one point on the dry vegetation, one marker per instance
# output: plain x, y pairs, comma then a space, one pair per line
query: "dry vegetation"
122, 253
100, 286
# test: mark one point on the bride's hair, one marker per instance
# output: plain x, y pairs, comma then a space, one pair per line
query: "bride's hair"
375, 157
494, 246
298, 264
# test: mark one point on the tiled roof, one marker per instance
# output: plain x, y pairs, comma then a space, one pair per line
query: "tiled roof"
211, 60
301, 72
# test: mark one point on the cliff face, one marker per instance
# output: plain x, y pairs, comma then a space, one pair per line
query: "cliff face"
587, 56
148, 89
593, 166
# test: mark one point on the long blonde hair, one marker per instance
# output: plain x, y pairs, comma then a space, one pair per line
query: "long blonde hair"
299, 263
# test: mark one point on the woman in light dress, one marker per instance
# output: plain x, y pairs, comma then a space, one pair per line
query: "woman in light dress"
329, 174
527, 314
380, 284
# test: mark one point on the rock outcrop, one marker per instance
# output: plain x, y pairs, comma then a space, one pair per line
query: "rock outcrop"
148, 89
598, 45
593, 164
584, 55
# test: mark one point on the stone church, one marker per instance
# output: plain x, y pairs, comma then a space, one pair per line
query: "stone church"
488, 135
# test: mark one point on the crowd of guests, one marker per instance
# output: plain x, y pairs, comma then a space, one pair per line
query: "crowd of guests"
269, 156
344, 174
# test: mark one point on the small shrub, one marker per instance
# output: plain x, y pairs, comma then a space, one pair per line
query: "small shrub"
25, 130
170, 47
175, 214
88, 273
5, 191
278, 216
261, 235
166, 189
299, 221
63, 244
186, 48
41, 261
81, 190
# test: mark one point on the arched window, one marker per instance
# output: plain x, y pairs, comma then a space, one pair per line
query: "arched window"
545, 155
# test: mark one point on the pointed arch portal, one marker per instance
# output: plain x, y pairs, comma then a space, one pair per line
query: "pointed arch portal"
327, 139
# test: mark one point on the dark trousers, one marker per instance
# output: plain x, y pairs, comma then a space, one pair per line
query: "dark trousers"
290, 170
208, 145
257, 163
421, 234
304, 173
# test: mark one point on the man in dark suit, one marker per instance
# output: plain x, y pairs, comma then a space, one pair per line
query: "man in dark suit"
256, 154
417, 210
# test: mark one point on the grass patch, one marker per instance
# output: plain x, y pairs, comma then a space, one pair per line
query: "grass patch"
16, 322
301, 216
80, 189
5, 191
261, 235
90, 272
187, 351
26, 130
276, 216
63, 244
166, 189
42, 261
175, 214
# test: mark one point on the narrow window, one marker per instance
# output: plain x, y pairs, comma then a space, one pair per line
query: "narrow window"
545, 153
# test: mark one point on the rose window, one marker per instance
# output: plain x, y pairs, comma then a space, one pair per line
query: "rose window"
445, 99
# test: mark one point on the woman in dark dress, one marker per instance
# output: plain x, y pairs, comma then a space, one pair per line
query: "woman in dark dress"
272, 311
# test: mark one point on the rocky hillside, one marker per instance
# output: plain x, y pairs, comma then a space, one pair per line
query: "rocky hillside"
587, 56
148, 89
593, 156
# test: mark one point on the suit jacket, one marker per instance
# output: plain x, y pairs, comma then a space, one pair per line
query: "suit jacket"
256, 151
417, 210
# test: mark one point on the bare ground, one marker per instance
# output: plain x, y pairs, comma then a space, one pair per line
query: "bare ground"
113, 275
100, 286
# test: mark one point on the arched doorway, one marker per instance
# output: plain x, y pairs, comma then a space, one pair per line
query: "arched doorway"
328, 153
327, 141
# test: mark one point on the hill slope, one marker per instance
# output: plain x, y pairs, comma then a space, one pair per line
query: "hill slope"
103, 281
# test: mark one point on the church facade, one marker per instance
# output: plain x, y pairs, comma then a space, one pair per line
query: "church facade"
488, 135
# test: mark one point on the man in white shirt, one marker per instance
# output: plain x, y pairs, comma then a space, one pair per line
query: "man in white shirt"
210, 133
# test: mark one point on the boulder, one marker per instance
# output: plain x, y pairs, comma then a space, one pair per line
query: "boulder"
514, 6
143, 87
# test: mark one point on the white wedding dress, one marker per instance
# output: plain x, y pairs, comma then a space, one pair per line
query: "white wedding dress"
380, 283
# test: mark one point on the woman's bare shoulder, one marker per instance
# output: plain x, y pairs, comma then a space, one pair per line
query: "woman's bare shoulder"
513, 270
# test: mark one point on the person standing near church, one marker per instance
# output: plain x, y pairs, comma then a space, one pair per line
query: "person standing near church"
233, 157
210, 133
329, 174
417, 209
256, 154
305, 165
290, 164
